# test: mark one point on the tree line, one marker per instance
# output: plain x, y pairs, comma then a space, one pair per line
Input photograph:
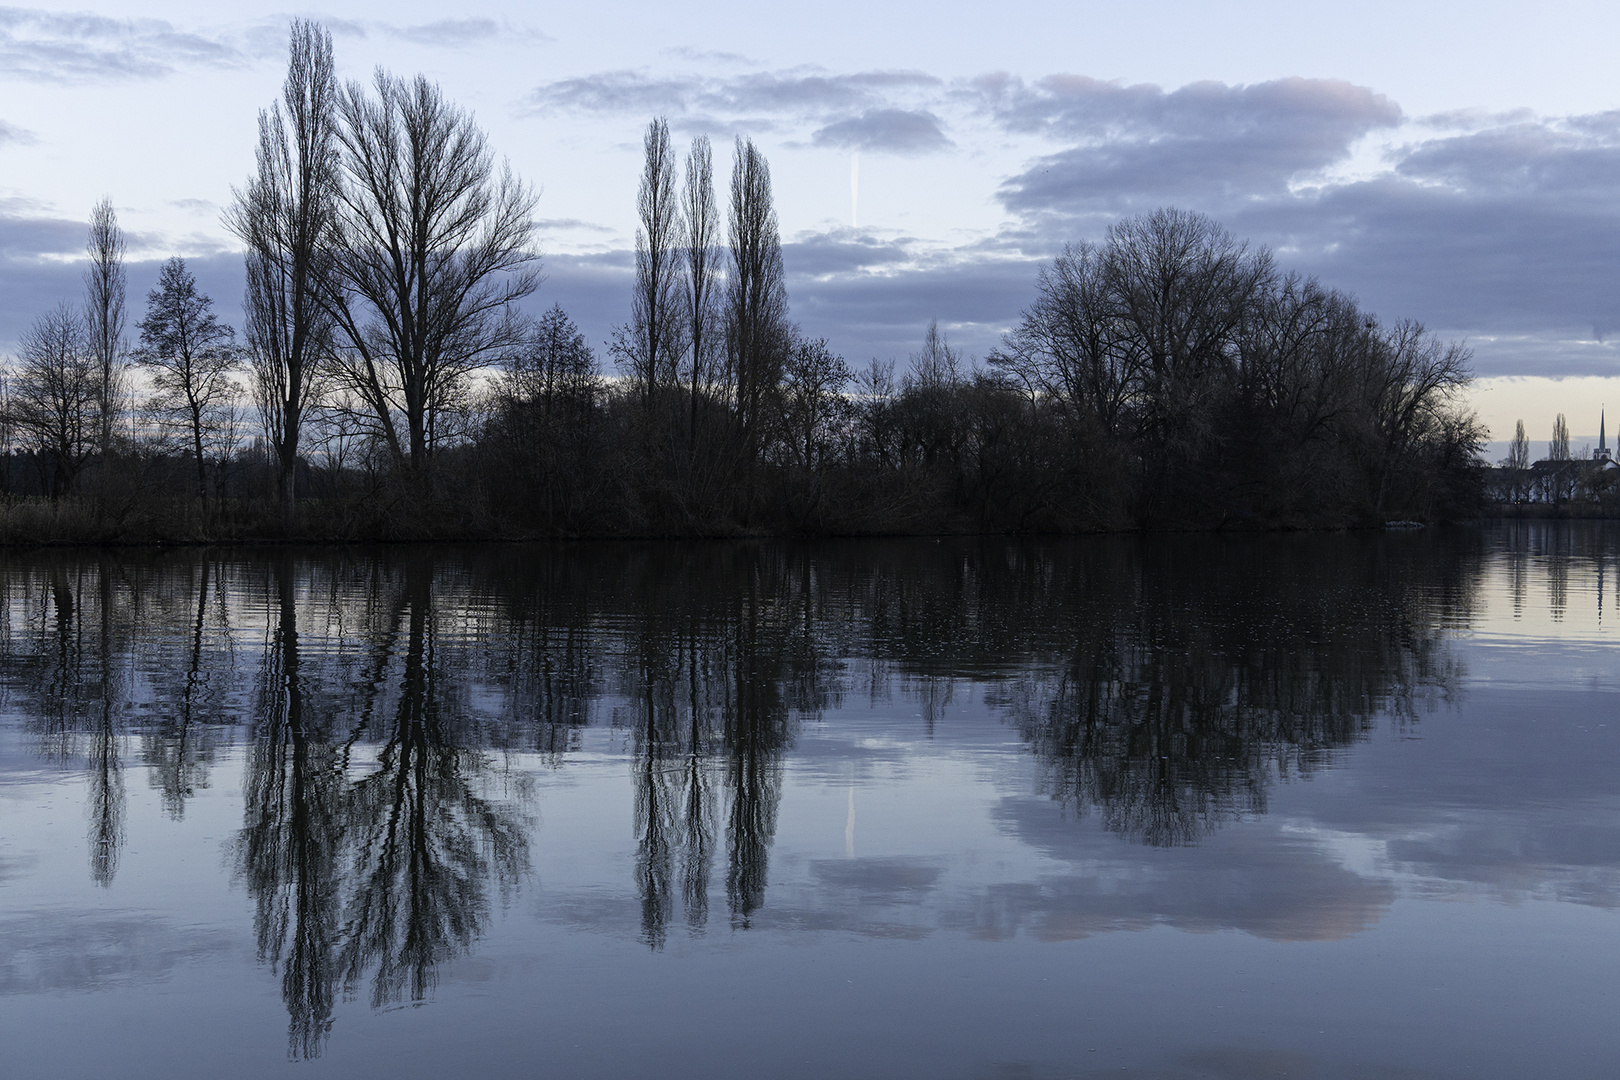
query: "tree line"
388, 380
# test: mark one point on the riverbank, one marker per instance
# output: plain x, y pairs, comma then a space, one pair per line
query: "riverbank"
1570, 511
87, 522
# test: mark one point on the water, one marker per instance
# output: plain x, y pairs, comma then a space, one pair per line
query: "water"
1325, 806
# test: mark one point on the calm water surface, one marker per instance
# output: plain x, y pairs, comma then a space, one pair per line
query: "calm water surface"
1304, 806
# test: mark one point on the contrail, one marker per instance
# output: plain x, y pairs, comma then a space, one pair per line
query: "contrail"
854, 189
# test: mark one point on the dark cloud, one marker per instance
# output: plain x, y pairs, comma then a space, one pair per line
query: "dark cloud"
1514, 267
1507, 233
25, 235
33, 276
1135, 146
11, 133
1316, 113
593, 289
42, 265
872, 299
867, 297
898, 131
1497, 228
60, 47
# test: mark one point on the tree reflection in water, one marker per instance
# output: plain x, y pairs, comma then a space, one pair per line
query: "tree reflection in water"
67, 675
288, 850
1163, 685
380, 870
707, 673
1182, 707
192, 676
425, 841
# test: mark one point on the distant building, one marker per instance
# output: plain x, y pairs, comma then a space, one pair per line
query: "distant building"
1558, 480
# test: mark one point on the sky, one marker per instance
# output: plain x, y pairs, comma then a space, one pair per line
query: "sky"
1457, 165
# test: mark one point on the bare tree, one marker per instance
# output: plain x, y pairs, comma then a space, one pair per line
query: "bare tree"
54, 397
8, 435
701, 226
814, 408
931, 410
1067, 350
1558, 447
190, 355
1413, 382
757, 331
874, 412
1519, 449
654, 313
936, 366
1182, 286
553, 366
1518, 461
104, 309
432, 248
285, 217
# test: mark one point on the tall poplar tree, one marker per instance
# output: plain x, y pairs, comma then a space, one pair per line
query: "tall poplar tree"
285, 217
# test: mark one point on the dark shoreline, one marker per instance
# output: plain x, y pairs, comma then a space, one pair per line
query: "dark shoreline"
259, 540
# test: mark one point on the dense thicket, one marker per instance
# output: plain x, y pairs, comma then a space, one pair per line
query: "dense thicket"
1169, 375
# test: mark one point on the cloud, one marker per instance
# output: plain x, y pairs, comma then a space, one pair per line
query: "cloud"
613, 92
1503, 235
706, 56
874, 297
1318, 111
49, 46
795, 92
593, 288
800, 93
1499, 228
33, 275
847, 251
567, 224
869, 296
42, 265
11, 133
461, 33
895, 130
1135, 146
